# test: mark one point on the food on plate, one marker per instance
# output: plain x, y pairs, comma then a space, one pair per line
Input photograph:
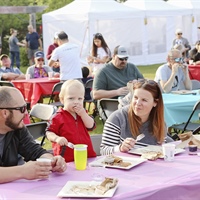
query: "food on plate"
107, 184
152, 155
116, 161
92, 189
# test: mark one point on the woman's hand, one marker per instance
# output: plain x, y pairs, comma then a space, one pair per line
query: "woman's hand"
127, 144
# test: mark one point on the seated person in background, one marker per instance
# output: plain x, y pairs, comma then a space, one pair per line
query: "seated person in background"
111, 80
145, 114
7, 73
195, 53
170, 75
15, 139
86, 77
38, 70
71, 123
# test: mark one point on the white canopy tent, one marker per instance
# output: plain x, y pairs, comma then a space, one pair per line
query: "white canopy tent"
194, 5
81, 19
145, 28
161, 20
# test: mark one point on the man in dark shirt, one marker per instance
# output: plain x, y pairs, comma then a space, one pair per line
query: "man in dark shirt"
15, 139
33, 42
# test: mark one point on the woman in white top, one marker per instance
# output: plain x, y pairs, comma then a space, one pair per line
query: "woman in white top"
100, 53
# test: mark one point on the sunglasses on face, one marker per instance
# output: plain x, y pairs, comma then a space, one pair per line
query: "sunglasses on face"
22, 109
178, 60
179, 34
41, 59
122, 59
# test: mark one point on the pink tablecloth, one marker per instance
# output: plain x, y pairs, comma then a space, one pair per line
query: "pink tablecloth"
151, 180
194, 72
32, 89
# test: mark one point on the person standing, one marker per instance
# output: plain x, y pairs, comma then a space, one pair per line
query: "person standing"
33, 42
68, 56
56, 66
179, 40
14, 48
100, 53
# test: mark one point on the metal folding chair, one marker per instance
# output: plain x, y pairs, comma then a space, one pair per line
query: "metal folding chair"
188, 125
96, 142
56, 89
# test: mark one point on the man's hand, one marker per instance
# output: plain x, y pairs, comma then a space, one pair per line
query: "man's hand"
122, 91
59, 164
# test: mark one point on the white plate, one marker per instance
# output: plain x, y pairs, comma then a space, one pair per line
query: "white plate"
67, 191
141, 150
183, 92
134, 162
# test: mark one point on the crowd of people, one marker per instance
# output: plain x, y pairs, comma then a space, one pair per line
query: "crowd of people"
111, 73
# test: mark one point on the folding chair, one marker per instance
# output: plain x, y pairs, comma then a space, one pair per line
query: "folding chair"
188, 125
37, 130
88, 85
96, 142
55, 90
43, 112
6, 83
107, 107
195, 84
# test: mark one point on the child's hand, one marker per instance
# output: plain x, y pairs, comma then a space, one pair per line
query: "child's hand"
79, 110
61, 141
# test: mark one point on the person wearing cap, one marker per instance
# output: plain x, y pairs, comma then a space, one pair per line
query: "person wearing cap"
183, 41
8, 73
172, 75
33, 42
111, 81
69, 59
195, 53
39, 70
56, 66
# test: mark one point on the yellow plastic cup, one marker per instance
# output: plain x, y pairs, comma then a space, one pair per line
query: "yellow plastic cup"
80, 156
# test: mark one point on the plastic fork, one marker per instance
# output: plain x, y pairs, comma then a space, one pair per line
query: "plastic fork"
70, 145
139, 137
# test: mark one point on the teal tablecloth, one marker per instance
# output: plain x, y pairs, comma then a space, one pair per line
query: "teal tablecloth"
177, 108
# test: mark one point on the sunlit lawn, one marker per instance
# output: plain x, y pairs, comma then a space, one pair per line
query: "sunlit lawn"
147, 71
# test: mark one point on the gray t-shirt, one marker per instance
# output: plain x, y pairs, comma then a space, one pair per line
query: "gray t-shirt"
112, 78
163, 73
13, 44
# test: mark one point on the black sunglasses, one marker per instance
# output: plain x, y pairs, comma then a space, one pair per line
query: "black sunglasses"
22, 109
179, 34
122, 59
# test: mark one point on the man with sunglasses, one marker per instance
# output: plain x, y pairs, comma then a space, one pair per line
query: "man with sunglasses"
111, 81
179, 40
7, 72
39, 70
15, 139
172, 75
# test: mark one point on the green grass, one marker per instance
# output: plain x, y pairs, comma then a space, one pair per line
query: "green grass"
148, 72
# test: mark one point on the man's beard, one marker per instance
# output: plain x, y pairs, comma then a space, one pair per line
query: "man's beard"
10, 124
